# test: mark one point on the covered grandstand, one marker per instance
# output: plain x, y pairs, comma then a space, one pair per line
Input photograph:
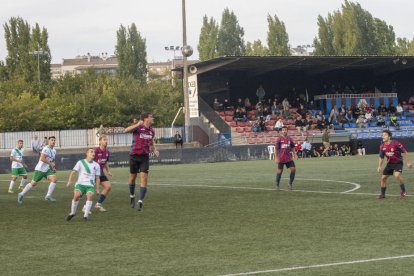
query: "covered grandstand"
322, 81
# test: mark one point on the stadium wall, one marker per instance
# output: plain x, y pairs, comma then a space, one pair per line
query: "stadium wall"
190, 155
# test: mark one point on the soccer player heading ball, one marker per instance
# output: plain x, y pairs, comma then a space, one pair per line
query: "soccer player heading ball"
142, 141
284, 145
392, 149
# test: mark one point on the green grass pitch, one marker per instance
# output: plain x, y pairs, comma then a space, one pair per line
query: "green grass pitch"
218, 219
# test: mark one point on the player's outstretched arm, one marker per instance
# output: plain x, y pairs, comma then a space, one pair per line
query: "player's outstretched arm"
132, 127
72, 173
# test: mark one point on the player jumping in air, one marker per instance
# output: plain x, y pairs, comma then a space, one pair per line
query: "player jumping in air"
392, 149
88, 179
102, 157
45, 168
142, 141
285, 145
18, 166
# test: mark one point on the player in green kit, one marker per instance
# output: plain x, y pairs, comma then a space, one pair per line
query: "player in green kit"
18, 166
45, 168
89, 173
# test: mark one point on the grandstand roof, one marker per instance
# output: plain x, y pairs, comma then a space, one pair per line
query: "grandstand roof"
255, 65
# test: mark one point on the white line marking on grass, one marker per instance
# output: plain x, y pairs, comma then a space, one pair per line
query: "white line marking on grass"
356, 185
320, 265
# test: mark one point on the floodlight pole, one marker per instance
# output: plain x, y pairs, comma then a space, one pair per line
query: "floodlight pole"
187, 122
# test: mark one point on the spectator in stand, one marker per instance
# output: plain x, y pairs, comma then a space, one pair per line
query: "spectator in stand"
243, 115
368, 116
392, 109
394, 121
262, 123
320, 122
356, 111
256, 126
360, 148
260, 93
275, 109
240, 103
178, 140
306, 148
217, 106
349, 118
247, 104
382, 110
286, 114
309, 121
361, 122
341, 113
334, 113
279, 124
411, 100
374, 111
305, 124
302, 111
239, 116
226, 105
380, 121
298, 124
399, 109
320, 151
285, 104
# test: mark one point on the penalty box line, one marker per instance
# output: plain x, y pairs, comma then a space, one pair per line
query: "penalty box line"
320, 265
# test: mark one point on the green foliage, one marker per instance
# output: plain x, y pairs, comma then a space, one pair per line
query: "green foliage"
86, 101
277, 37
131, 51
230, 35
21, 41
256, 49
207, 41
354, 31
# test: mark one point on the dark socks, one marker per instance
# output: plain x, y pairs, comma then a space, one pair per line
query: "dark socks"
402, 187
291, 178
132, 190
101, 199
383, 190
278, 177
142, 192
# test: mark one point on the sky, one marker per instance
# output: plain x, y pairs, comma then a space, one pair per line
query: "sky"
77, 27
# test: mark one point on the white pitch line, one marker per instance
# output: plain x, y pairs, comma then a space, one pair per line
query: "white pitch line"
320, 265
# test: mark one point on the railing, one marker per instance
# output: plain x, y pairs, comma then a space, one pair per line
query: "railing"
80, 138
213, 117
355, 96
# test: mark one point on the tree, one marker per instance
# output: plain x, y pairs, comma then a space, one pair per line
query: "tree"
256, 49
21, 41
354, 31
207, 41
277, 37
230, 35
131, 51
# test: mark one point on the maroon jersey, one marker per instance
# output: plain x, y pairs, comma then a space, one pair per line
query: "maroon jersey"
101, 157
393, 151
283, 147
141, 140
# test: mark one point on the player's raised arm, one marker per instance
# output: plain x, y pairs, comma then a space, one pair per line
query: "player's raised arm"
132, 127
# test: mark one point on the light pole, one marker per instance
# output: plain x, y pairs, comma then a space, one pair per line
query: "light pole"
187, 51
38, 53
172, 48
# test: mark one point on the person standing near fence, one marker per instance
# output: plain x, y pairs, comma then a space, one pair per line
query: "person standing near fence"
18, 166
45, 168
142, 144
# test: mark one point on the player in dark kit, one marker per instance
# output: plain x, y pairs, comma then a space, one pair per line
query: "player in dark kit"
102, 158
392, 149
285, 145
142, 142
